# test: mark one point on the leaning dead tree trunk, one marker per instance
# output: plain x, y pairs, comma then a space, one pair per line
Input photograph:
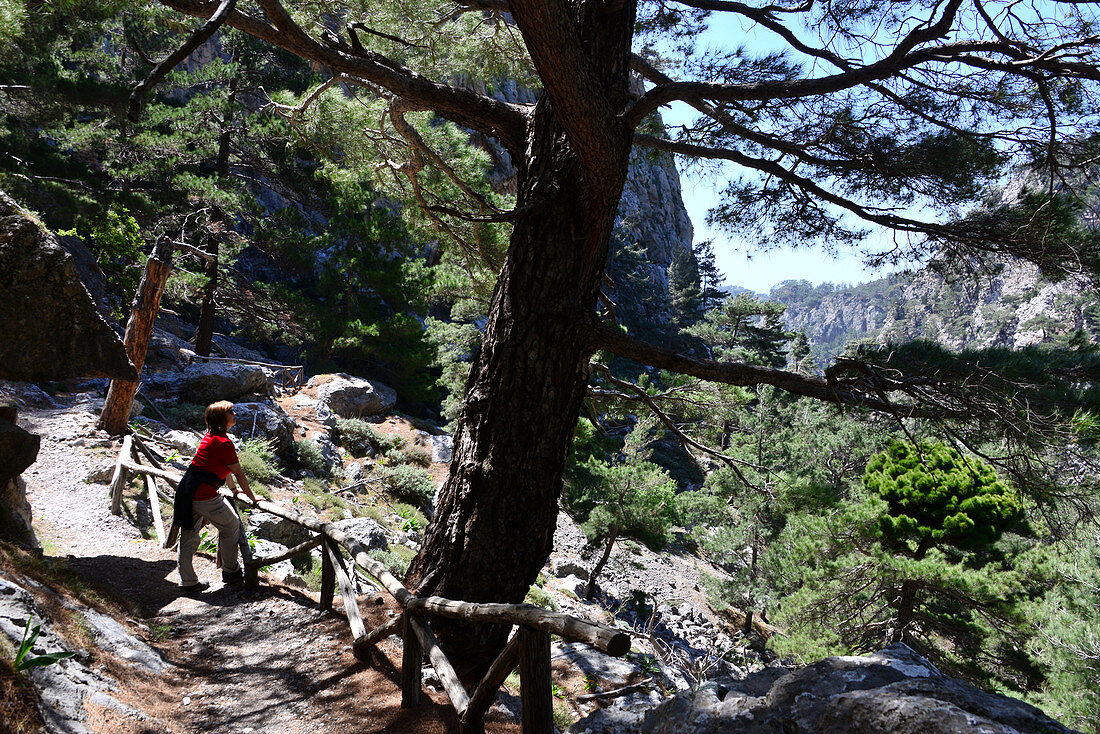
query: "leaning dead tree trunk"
139, 329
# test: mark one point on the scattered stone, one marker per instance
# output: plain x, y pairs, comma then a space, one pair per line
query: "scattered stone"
609, 671
283, 570
571, 584
30, 395
276, 529
569, 567
442, 448
329, 453
113, 637
183, 441
264, 420
101, 473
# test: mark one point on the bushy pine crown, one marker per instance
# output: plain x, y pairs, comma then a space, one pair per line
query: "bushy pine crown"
937, 496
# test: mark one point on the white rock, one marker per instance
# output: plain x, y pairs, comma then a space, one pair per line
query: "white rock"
352, 397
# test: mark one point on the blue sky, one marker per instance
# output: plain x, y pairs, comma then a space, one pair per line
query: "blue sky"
759, 271
738, 260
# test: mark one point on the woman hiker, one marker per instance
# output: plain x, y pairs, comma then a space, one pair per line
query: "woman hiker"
198, 502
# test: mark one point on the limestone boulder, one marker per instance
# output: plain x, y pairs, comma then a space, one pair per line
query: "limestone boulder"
270, 527
365, 531
52, 327
206, 382
283, 570
16, 522
352, 397
264, 420
329, 453
18, 449
894, 690
442, 448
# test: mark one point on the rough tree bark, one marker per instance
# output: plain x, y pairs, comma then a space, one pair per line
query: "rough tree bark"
496, 514
139, 328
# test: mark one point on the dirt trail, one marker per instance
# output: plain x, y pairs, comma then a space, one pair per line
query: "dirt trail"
243, 662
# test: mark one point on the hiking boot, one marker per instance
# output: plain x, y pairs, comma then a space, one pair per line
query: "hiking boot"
194, 589
232, 578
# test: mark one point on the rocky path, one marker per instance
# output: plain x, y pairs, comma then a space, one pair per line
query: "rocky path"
239, 661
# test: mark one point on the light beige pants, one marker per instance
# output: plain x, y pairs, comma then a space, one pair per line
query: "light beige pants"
218, 513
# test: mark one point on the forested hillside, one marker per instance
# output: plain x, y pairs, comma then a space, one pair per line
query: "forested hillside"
999, 303
477, 204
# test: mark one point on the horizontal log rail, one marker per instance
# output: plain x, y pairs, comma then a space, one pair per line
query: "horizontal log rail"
605, 639
292, 374
528, 649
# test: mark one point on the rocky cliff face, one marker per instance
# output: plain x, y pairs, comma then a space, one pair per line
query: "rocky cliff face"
1005, 304
652, 211
1009, 306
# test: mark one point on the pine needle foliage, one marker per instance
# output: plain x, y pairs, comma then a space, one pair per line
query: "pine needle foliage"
935, 496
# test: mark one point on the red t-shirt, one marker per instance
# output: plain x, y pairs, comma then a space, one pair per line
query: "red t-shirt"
215, 454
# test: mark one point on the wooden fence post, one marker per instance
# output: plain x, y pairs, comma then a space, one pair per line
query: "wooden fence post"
121, 475
536, 692
328, 580
412, 658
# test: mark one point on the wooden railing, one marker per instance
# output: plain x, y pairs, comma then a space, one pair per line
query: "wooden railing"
288, 375
528, 649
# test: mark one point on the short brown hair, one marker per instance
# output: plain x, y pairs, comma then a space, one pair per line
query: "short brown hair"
217, 416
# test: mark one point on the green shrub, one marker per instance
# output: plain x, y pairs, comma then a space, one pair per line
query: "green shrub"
396, 559
318, 494
307, 455
563, 717
540, 597
394, 457
260, 490
360, 437
258, 460
412, 518
262, 447
409, 484
371, 511
416, 455
188, 415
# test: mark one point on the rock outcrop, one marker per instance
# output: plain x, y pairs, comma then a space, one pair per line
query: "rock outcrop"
18, 450
267, 421
52, 328
894, 690
206, 382
350, 397
1004, 303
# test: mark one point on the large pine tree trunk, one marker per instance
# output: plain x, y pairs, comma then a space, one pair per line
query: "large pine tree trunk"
495, 517
139, 329
905, 608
